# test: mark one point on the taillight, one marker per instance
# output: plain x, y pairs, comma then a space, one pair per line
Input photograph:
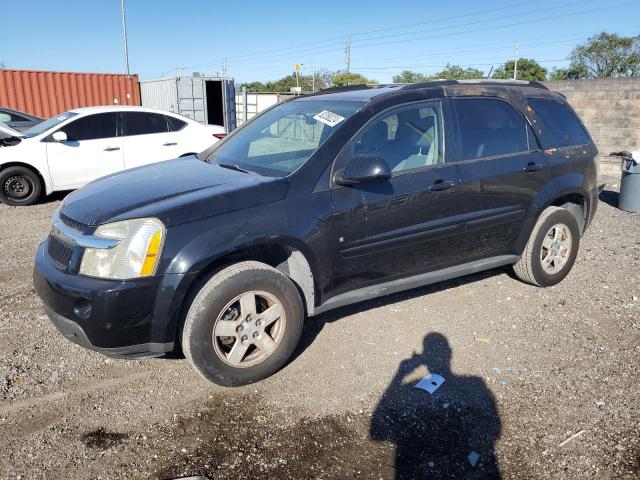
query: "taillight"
219, 136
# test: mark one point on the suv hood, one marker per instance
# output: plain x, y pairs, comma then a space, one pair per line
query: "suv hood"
177, 191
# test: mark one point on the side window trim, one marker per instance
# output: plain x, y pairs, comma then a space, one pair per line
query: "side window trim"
346, 149
458, 132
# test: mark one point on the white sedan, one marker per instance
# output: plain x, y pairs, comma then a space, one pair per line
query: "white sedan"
71, 149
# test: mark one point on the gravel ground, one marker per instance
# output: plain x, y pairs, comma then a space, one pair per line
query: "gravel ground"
525, 369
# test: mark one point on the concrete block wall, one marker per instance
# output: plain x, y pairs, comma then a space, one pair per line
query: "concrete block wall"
610, 108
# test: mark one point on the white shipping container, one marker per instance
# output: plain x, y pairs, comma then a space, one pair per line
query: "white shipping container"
208, 100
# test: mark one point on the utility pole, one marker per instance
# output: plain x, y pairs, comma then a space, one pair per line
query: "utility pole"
515, 64
313, 78
124, 33
347, 55
224, 69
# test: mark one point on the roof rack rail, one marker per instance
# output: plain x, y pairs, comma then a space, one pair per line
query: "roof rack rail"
444, 82
344, 88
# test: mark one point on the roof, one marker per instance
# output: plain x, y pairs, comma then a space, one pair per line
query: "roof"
368, 92
119, 108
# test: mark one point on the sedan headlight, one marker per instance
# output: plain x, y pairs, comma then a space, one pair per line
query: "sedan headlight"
136, 255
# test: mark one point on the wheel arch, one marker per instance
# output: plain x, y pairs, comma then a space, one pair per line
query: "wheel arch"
567, 191
288, 255
45, 183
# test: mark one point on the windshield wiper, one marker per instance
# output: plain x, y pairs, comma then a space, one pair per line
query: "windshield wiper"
234, 167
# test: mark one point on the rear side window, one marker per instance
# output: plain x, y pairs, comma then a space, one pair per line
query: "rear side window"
561, 121
490, 128
92, 127
142, 123
175, 124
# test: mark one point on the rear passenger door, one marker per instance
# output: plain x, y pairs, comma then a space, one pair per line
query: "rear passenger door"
147, 138
503, 169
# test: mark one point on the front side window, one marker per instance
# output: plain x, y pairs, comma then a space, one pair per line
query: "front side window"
490, 127
92, 127
562, 122
406, 137
143, 123
282, 139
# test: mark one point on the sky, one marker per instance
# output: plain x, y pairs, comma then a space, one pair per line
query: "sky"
264, 40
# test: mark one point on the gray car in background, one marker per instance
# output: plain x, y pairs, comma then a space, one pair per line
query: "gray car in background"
18, 120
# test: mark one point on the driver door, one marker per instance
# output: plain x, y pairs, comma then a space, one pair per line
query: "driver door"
410, 223
92, 150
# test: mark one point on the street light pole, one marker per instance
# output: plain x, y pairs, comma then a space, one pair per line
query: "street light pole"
124, 33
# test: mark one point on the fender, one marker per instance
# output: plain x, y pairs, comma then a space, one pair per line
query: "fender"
29, 153
571, 183
212, 239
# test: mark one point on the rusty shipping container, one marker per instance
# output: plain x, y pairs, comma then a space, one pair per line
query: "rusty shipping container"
45, 94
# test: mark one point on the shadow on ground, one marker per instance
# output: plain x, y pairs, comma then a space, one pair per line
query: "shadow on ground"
411, 434
610, 197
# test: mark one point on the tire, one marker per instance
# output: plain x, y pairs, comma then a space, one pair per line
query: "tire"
19, 186
535, 266
261, 347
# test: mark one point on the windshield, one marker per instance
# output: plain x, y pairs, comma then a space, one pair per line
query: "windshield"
47, 124
279, 141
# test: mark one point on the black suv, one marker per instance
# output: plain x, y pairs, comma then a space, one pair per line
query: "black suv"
319, 202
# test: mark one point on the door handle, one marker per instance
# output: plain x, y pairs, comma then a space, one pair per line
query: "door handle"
440, 185
169, 144
111, 149
533, 167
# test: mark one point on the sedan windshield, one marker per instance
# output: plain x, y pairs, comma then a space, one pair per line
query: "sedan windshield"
47, 124
279, 141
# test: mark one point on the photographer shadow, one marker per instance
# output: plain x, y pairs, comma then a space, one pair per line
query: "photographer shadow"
434, 435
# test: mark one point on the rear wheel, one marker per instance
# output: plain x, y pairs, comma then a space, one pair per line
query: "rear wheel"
243, 325
19, 186
551, 250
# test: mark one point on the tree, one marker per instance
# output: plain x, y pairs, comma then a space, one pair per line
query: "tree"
254, 86
408, 76
606, 55
456, 72
341, 79
528, 69
570, 73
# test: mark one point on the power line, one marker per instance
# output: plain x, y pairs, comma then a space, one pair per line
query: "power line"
466, 24
464, 32
525, 22
343, 37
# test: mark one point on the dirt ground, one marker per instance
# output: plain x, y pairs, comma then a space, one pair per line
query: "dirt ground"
525, 369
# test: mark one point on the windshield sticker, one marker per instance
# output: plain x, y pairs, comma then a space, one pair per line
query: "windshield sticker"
328, 118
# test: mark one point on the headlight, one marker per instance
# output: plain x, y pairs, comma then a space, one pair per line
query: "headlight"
136, 255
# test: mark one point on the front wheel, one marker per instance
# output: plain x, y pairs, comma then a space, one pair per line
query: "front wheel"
19, 186
551, 250
243, 324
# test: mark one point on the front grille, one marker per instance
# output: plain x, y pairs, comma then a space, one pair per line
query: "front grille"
70, 222
59, 251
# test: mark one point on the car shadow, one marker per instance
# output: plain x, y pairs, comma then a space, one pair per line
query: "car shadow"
610, 197
450, 433
314, 325
54, 197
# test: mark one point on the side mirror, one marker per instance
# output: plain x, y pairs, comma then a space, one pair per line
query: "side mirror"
59, 136
363, 169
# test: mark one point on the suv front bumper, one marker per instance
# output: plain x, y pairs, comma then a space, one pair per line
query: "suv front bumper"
130, 318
